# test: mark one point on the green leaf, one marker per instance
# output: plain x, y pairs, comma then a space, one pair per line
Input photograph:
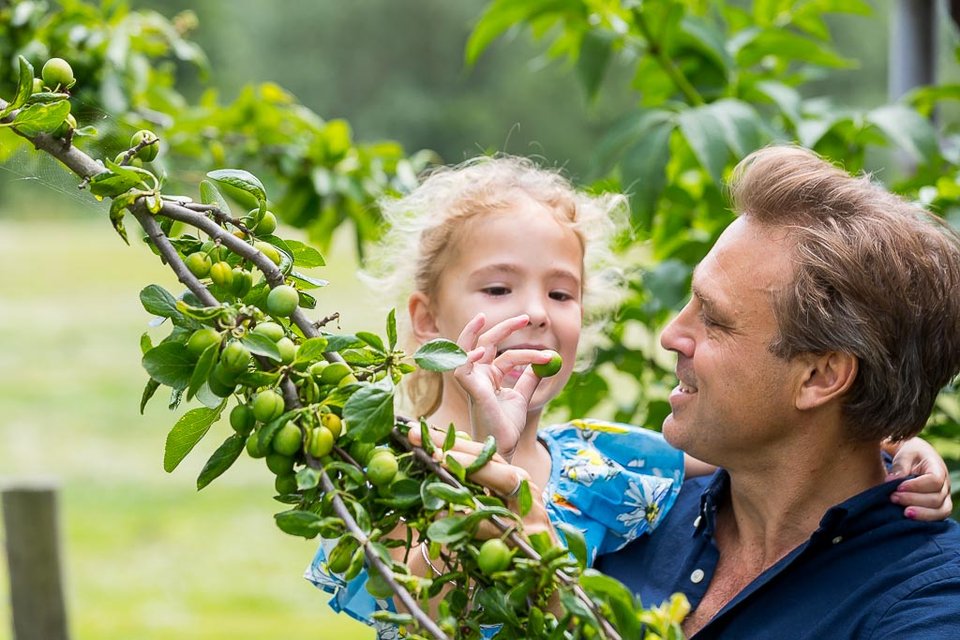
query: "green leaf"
369, 412
308, 282
486, 454
595, 51
24, 87
261, 346
209, 194
372, 339
307, 478
148, 391
184, 435
114, 182
118, 209
706, 37
704, 132
448, 530
625, 133
392, 329
448, 494
440, 354
35, 119
525, 498
644, 172
312, 350
304, 255
202, 371
907, 129
158, 301
169, 364
242, 186
305, 524
618, 597
267, 431
741, 125
451, 438
785, 97
426, 440
342, 342
221, 460
454, 466
575, 543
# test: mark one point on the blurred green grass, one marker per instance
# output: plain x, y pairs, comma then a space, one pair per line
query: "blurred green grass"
144, 554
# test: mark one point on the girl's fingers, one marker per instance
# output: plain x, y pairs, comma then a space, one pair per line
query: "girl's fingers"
925, 500
928, 483
469, 448
521, 357
500, 477
467, 340
929, 515
502, 330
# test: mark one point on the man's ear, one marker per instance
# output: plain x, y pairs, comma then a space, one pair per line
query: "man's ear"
422, 320
826, 377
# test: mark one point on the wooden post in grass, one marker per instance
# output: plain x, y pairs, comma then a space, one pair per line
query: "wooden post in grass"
33, 556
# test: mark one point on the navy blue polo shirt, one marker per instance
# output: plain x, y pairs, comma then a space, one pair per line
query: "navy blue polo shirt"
866, 572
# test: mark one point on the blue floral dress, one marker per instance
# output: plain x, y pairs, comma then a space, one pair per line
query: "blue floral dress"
611, 481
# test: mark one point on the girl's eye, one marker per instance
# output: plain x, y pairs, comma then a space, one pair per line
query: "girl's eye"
496, 291
561, 296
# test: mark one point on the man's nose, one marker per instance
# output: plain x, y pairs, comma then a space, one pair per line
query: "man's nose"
677, 336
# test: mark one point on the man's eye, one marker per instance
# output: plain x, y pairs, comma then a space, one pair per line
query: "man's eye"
496, 291
708, 321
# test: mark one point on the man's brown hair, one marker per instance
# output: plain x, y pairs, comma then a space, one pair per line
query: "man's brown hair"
875, 276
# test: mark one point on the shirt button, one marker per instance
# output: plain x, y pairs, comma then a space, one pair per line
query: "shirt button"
838, 540
696, 523
697, 576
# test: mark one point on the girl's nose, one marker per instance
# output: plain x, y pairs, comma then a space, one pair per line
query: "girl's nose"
537, 311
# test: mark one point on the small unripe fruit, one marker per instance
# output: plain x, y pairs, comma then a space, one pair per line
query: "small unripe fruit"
549, 368
235, 357
279, 463
378, 587
267, 224
270, 330
268, 405
211, 249
317, 368
321, 442
57, 72
332, 422
221, 382
201, 339
267, 249
286, 483
149, 152
347, 379
199, 264
37, 85
339, 559
494, 556
222, 274
242, 282
288, 350
283, 300
287, 440
253, 446
242, 419
68, 123
333, 372
362, 452
382, 468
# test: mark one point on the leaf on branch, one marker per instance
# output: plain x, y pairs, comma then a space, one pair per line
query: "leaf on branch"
308, 282
907, 129
311, 350
24, 87
448, 530
158, 301
242, 186
440, 354
35, 119
305, 524
617, 597
575, 543
202, 371
448, 494
369, 412
221, 460
184, 436
261, 346
304, 255
210, 195
392, 329
114, 182
169, 364
118, 209
372, 339
148, 391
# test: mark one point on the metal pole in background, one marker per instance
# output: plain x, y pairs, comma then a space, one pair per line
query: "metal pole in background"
33, 555
913, 44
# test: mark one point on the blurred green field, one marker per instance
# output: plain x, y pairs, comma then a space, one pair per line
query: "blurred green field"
145, 555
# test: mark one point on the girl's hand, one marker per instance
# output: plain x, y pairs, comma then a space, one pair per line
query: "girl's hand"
496, 410
926, 497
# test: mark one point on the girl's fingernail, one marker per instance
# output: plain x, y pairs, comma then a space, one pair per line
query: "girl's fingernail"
910, 513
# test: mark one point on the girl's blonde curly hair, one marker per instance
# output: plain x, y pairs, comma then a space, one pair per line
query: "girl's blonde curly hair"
425, 230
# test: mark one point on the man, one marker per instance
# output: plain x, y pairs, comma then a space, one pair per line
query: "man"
825, 319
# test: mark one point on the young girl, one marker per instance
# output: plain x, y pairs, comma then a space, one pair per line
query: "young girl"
504, 238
